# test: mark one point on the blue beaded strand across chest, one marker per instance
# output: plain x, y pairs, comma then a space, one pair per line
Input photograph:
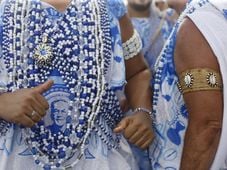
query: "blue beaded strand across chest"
78, 46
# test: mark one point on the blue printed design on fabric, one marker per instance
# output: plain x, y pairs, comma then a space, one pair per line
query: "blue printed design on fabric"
118, 76
169, 127
53, 14
1, 27
88, 154
26, 152
58, 96
170, 22
152, 41
225, 13
117, 7
169, 110
118, 59
4, 126
1, 34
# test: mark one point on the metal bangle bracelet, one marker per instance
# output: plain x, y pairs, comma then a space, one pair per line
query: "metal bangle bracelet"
149, 112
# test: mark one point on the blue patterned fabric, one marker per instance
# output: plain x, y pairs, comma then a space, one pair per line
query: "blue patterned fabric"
152, 47
170, 20
152, 39
116, 78
142, 157
14, 153
117, 7
169, 109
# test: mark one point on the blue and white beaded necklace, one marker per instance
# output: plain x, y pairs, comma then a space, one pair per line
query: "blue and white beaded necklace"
75, 46
168, 51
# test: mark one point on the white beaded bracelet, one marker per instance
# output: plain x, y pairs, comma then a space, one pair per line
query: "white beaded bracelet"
132, 46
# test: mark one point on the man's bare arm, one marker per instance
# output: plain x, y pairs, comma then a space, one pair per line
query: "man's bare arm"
137, 127
205, 107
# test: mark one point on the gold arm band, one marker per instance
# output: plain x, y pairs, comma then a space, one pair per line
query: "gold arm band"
199, 79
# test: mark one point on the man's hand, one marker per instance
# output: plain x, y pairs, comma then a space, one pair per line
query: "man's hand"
17, 107
137, 129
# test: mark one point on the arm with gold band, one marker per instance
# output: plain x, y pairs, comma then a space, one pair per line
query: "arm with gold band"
200, 82
199, 79
137, 128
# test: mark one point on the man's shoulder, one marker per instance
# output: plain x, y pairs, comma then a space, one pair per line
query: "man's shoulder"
192, 48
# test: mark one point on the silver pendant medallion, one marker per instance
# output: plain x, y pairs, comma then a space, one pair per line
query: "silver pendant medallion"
43, 53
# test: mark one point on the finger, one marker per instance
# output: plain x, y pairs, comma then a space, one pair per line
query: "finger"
43, 102
26, 121
146, 144
141, 130
135, 137
44, 87
35, 105
130, 130
122, 125
38, 108
147, 137
35, 117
